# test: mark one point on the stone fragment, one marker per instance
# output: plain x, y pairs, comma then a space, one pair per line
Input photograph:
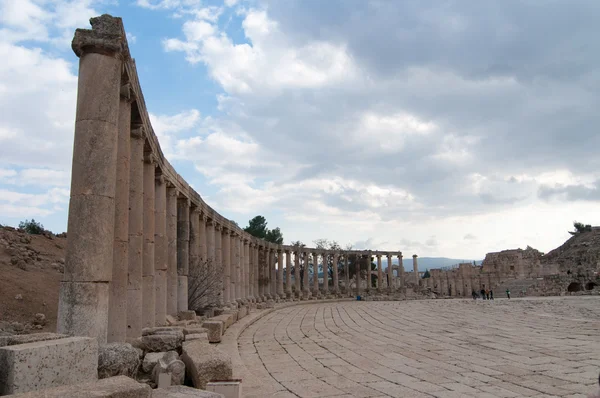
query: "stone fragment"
171, 320
162, 330
113, 387
45, 364
172, 365
214, 330
193, 330
162, 342
117, 359
197, 336
204, 363
150, 361
184, 392
186, 315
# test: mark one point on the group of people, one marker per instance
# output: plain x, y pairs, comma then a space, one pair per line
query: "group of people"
487, 294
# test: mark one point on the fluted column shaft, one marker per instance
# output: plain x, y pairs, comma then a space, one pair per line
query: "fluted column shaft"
183, 252
160, 251
117, 301
172, 250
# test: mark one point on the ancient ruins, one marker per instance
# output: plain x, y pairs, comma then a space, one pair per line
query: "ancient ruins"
139, 237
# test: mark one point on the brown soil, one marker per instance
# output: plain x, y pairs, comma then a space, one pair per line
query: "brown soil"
30, 266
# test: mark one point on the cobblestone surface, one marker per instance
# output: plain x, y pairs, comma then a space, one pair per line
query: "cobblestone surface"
432, 348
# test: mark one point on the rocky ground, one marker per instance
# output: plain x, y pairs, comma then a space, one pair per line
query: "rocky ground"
31, 267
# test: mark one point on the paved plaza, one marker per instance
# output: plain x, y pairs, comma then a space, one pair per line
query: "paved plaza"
540, 347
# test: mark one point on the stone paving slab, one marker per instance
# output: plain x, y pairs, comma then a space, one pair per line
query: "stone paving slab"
538, 347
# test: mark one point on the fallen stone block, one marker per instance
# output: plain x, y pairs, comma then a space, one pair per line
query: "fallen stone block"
162, 330
229, 389
117, 359
186, 315
171, 320
29, 338
233, 313
162, 342
205, 363
150, 361
184, 392
113, 387
197, 336
214, 330
45, 364
227, 320
193, 330
169, 364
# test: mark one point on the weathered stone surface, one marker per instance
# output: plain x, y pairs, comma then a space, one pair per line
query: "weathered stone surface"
117, 359
186, 315
193, 330
113, 387
150, 361
205, 363
214, 330
184, 392
197, 336
44, 364
162, 330
162, 342
171, 320
83, 309
170, 363
227, 319
29, 338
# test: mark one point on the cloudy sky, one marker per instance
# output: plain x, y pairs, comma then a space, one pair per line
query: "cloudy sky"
442, 128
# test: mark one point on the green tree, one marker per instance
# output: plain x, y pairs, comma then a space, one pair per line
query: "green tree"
32, 227
580, 228
426, 274
258, 227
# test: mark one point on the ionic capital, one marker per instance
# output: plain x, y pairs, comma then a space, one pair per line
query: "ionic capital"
106, 37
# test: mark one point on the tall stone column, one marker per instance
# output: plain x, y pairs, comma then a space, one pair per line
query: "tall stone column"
226, 249
148, 292
233, 269
416, 270
212, 265
252, 270
273, 273
325, 290
194, 271
260, 270
136, 235
347, 274
288, 274
117, 300
368, 273
172, 250
239, 268
390, 271
336, 285
400, 272
315, 289
358, 267
203, 261
84, 290
183, 252
160, 251
379, 274
297, 274
246, 269
219, 265
280, 292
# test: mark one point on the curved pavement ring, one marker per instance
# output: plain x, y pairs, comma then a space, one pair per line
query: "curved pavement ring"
430, 348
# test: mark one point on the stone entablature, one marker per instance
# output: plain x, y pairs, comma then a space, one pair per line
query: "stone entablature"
139, 235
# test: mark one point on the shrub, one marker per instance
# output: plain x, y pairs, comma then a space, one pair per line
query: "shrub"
32, 227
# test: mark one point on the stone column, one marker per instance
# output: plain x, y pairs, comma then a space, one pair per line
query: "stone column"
347, 274
325, 290
260, 272
288, 274
368, 273
117, 300
203, 262
172, 250
280, 274
194, 272
160, 251
390, 271
255, 256
219, 265
84, 290
315, 291
136, 235
379, 274
148, 292
297, 274
246, 269
358, 267
416, 270
210, 256
233, 269
336, 286
183, 252
239, 286
400, 272
226, 249
272, 274
252, 270
304, 276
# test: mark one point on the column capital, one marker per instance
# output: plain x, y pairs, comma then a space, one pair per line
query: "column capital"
160, 179
149, 157
184, 198
126, 92
218, 227
106, 37
415, 256
138, 131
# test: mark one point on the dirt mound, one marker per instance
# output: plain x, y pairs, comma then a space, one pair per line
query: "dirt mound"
578, 256
31, 268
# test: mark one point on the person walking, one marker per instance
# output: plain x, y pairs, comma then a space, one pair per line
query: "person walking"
508, 293
491, 294
487, 294
482, 294
474, 295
